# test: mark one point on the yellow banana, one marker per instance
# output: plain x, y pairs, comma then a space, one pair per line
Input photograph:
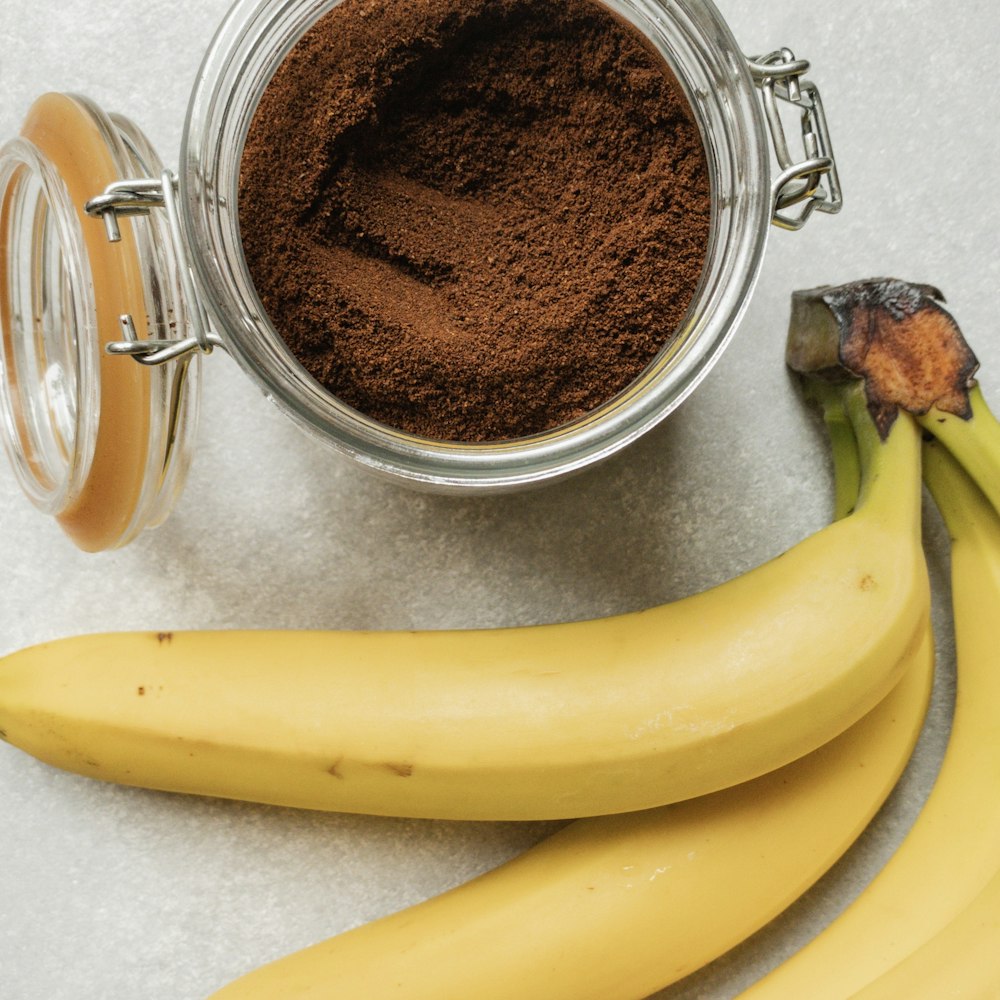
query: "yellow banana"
953, 847
973, 440
617, 907
963, 959
554, 721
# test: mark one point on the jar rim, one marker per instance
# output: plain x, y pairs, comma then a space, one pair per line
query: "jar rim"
48, 363
692, 37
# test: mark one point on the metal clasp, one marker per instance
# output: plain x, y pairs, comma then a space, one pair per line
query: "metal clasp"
140, 197
779, 75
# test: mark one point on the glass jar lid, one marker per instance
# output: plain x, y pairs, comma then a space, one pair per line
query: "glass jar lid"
97, 441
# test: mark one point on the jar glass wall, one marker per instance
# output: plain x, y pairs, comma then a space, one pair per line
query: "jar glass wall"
49, 395
697, 45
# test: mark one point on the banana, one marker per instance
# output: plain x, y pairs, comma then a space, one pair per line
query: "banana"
541, 722
617, 907
973, 440
953, 847
961, 959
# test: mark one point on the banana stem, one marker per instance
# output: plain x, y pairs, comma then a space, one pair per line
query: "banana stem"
973, 441
843, 446
890, 489
846, 464
890, 350
874, 475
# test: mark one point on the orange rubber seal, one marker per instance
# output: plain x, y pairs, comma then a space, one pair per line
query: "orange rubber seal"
97, 518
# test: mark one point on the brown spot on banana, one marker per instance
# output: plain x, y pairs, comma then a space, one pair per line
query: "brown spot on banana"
403, 770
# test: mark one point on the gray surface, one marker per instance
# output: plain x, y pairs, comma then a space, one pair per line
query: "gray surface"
109, 892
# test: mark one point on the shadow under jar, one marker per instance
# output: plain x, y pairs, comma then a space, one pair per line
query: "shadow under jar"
190, 288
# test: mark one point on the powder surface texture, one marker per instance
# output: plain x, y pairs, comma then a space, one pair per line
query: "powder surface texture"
474, 219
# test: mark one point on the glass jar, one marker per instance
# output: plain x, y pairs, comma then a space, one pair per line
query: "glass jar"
103, 326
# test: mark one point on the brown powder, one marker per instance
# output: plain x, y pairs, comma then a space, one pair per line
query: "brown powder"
474, 219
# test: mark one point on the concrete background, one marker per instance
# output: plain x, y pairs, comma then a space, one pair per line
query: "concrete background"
111, 892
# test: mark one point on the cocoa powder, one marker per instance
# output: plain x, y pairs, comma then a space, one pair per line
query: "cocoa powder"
474, 219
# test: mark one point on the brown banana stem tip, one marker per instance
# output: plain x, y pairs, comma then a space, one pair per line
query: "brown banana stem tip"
894, 335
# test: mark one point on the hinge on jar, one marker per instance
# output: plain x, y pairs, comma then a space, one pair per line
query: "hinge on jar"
779, 77
139, 197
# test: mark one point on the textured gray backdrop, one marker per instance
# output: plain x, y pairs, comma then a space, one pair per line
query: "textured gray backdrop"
110, 892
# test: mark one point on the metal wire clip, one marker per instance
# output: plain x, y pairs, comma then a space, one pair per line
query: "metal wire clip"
140, 197
779, 75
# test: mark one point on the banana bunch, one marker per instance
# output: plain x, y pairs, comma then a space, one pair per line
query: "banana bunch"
926, 928
556, 721
957, 954
953, 848
928, 925
617, 907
